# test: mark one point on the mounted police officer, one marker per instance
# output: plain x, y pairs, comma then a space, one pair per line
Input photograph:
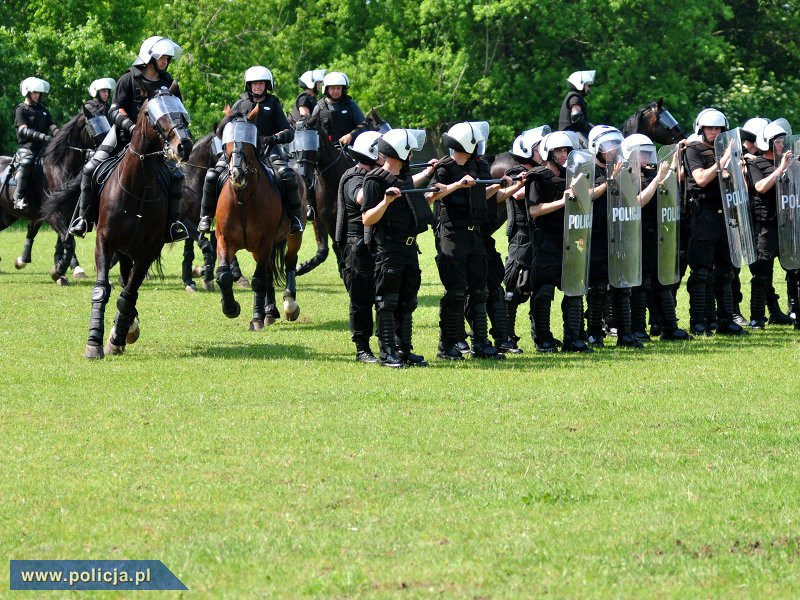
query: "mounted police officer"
310, 83
395, 220
35, 127
763, 175
708, 252
340, 117
273, 129
641, 151
574, 115
95, 110
462, 253
547, 196
146, 77
517, 273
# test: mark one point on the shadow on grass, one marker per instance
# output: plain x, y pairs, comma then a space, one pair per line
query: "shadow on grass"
263, 350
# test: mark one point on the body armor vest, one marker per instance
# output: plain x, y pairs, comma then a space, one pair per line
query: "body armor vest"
464, 207
348, 212
709, 194
406, 216
764, 205
337, 118
550, 188
517, 210
565, 116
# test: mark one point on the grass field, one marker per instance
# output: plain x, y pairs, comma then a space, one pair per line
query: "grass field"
270, 464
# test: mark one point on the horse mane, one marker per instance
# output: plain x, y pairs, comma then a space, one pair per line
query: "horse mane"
631, 124
55, 152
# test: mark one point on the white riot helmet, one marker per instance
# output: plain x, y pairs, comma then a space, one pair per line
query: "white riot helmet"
771, 132
525, 143
399, 143
336, 78
604, 138
556, 139
258, 73
365, 148
34, 84
155, 47
752, 128
310, 79
580, 78
465, 136
106, 83
710, 117
640, 148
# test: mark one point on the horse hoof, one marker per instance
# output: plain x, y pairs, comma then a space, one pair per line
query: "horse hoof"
243, 283
208, 286
112, 350
133, 332
236, 311
256, 325
190, 287
62, 281
93, 351
19, 263
78, 273
197, 271
54, 274
291, 310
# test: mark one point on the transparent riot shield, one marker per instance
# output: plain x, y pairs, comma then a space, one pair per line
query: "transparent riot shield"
577, 224
735, 199
788, 205
624, 224
668, 200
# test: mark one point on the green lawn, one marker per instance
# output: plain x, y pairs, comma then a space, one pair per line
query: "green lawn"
270, 464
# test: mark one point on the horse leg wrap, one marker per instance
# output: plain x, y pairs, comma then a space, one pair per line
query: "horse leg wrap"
225, 279
237, 272
188, 259
26, 251
291, 284
100, 294
126, 313
259, 286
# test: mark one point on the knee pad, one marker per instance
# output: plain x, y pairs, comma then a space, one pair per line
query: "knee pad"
224, 277
496, 293
700, 276
726, 276
409, 305
100, 293
480, 296
388, 302
454, 296
258, 285
545, 292
212, 176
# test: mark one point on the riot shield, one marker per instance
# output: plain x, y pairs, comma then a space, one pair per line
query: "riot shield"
669, 213
735, 199
624, 224
788, 206
577, 224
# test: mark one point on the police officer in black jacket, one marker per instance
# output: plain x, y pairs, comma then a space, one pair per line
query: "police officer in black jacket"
306, 100
95, 110
273, 129
395, 219
574, 115
461, 261
35, 127
147, 76
340, 117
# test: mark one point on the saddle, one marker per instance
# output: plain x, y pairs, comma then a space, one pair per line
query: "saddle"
105, 170
270, 172
8, 175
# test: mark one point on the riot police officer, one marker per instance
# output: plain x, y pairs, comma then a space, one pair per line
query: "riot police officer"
146, 77
306, 100
340, 117
395, 220
546, 199
358, 265
574, 115
462, 255
708, 252
35, 127
95, 110
517, 275
642, 152
273, 129
763, 175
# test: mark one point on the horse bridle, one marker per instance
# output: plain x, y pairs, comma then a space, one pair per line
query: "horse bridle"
674, 129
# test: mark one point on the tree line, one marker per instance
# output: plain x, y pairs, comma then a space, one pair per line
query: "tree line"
425, 63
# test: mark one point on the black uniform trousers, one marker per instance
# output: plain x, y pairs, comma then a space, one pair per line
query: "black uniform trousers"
358, 272
545, 277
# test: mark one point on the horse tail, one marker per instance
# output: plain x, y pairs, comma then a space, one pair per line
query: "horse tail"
58, 207
158, 268
277, 265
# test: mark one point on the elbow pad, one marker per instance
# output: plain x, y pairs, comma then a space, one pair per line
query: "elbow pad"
285, 136
120, 120
33, 136
578, 119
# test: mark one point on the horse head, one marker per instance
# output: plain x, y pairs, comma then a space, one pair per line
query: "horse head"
657, 123
239, 143
164, 120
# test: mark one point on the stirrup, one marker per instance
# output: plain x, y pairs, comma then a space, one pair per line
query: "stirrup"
177, 232
79, 227
295, 225
204, 226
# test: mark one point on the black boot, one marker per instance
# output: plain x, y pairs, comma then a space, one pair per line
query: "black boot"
451, 318
622, 309
208, 206
404, 351
176, 231
595, 300
726, 324
388, 357
510, 345
293, 205
668, 317
364, 352
23, 177
481, 348
540, 325
82, 225
776, 314
696, 286
639, 313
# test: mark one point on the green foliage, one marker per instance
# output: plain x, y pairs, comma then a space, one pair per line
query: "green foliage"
426, 63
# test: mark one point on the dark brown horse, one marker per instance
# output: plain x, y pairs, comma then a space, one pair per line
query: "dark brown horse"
132, 217
61, 160
250, 216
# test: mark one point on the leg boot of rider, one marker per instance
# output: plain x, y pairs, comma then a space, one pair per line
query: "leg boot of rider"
208, 204
82, 223
176, 231
23, 176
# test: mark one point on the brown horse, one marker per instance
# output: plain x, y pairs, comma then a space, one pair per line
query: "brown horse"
250, 217
132, 217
